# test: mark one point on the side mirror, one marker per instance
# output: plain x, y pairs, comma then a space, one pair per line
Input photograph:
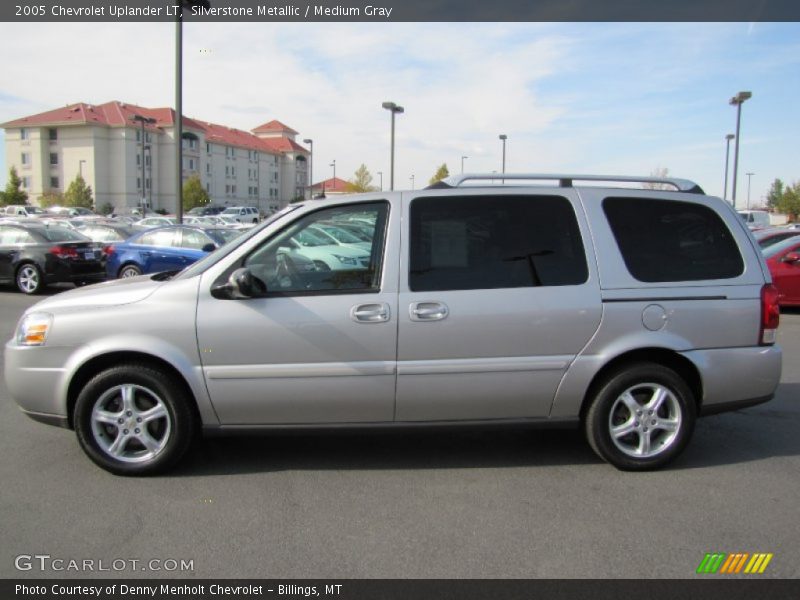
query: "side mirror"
209, 247
792, 257
241, 285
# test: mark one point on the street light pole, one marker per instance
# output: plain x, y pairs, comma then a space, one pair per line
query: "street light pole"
463, 158
737, 101
310, 143
749, 175
412, 182
394, 109
333, 164
503, 138
380, 174
728, 139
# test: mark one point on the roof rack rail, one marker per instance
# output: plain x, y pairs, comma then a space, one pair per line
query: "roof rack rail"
567, 180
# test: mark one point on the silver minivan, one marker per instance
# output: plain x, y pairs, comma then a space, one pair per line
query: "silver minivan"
538, 299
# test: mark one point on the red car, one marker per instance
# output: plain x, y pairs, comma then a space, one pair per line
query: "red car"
783, 260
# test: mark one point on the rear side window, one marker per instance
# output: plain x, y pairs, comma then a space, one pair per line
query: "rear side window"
491, 242
665, 240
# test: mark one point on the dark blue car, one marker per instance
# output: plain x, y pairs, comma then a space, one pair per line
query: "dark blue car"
163, 249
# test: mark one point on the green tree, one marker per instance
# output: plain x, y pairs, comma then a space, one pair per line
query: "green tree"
194, 194
789, 202
79, 194
362, 181
51, 198
774, 194
14, 193
441, 173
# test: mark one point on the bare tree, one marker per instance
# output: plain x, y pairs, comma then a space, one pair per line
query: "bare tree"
661, 172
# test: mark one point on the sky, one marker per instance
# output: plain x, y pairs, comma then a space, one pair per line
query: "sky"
599, 98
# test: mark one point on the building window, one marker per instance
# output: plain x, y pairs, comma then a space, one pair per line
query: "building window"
255, 191
138, 136
23, 134
227, 171
26, 159
233, 189
53, 133
147, 183
208, 188
53, 158
26, 182
138, 183
208, 148
54, 182
147, 160
138, 160
227, 189
233, 171
208, 168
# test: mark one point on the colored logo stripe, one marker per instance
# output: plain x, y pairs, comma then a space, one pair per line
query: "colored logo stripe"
730, 564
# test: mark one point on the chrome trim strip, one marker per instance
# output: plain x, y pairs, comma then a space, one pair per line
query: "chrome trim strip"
483, 365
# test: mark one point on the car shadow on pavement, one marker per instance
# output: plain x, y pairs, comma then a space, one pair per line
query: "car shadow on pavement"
381, 450
741, 436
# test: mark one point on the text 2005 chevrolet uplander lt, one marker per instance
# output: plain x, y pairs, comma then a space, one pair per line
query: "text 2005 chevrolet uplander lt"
628, 312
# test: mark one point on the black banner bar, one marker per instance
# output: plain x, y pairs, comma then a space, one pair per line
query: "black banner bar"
713, 588
382, 11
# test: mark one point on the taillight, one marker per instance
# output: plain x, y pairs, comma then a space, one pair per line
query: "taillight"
64, 252
770, 314
108, 250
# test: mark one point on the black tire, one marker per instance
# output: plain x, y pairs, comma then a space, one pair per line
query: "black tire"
144, 445
129, 270
647, 435
29, 279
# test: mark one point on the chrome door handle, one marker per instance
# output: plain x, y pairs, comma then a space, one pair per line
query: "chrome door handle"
428, 311
370, 313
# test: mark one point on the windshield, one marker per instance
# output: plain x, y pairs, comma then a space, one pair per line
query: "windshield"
781, 247
204, 263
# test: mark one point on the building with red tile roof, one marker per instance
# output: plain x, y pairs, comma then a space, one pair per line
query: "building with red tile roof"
264, 167
334, 185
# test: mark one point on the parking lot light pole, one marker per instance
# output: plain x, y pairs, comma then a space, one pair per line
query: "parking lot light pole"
333, 164
737, 101
412, 182
503, 138
143, 121
310, 143
380, 174
394, 109
749, 176
728, 139
463, 158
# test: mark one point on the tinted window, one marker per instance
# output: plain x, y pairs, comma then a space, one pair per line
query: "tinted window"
298, 259
663, 240
489, 242
12, 235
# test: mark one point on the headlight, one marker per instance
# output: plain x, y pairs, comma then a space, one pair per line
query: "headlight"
346, 259
33, 329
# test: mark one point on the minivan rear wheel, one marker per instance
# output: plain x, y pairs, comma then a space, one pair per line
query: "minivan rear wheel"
641, 417
134, 419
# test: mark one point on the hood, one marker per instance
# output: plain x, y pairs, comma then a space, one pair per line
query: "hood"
110, 293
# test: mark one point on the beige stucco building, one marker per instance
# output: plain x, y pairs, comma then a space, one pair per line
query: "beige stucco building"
265, 168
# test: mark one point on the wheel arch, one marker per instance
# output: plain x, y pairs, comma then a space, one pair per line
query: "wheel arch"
684, 367
102, 362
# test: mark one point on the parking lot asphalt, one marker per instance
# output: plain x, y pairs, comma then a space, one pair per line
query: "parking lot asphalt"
489, 504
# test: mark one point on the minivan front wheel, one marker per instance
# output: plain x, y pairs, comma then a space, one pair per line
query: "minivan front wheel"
641, 417
134, 419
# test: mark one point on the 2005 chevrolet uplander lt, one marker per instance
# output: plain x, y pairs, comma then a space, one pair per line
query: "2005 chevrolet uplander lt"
627, 311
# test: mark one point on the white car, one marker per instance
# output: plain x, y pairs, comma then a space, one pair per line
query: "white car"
242, 214
326, 254
151, 222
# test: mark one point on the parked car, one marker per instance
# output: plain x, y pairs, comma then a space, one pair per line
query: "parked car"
783, 260
755, 219
33, 256
204, 211
71, 211
106, 233
625, 312
22, 210
150, 222
772, 235
161, 249
325, 252
242, 214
